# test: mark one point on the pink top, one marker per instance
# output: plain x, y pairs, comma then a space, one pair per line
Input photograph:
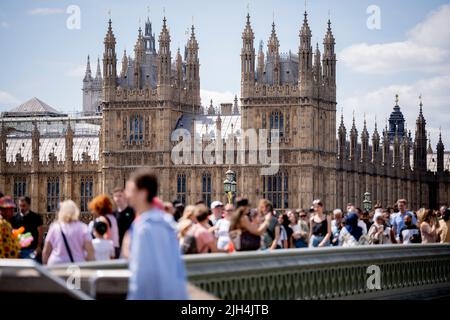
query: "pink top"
76, 234
203, 237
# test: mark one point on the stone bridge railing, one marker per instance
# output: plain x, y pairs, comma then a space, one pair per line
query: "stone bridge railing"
405, 272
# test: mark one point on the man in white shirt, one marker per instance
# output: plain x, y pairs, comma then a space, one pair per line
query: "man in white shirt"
217, 211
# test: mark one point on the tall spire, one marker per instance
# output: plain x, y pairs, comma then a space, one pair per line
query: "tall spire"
88, 75
440, 153
98, 74
353, 139
375, 143
124, 71
247, 60
109, 64
420, 143
164, 59
193, 69
260, 68
364, 142
429, 149
273, 46
329, 58
305, 56
139, 56
317, 66
342, 137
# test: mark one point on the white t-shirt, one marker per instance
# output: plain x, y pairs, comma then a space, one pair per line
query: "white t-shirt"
283, 237
222, 233
103, 249
114, 229
363, 225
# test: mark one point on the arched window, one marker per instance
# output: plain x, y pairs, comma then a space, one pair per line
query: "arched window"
86, 187
206, 188
52, 194
136, 129
277, 121
276, 190
20, 187
181, 187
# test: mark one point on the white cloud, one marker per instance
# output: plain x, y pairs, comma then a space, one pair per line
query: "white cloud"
77, 72
426, 48
7, 100
216, 96
45, 11
380, 102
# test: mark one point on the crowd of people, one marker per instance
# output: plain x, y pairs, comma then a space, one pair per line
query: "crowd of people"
218, 228
245, 228
135, 224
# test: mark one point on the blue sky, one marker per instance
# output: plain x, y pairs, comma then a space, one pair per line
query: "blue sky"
409, 55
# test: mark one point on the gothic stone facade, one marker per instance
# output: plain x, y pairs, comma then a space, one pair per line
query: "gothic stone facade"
294, 93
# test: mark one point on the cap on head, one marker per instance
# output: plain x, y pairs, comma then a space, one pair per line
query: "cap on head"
216, 204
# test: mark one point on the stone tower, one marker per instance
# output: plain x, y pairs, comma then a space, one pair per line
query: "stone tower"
143, 105
396, 122
92, 89
289, 94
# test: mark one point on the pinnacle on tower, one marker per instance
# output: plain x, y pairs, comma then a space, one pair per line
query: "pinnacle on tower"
109, 64
429, 149
124, 71
88, 75
235, 107
353, 130
440, 153
273, 44
365, 133
342, 125
247, 60
98, 74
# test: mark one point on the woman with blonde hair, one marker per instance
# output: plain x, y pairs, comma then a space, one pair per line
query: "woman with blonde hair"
428, 225
189, 214
102, 209
68, 240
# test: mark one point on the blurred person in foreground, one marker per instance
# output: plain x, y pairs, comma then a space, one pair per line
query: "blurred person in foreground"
428, 225
31, 222
157, 271
68, 239
124, 213
444, 227
102, 209
9, 244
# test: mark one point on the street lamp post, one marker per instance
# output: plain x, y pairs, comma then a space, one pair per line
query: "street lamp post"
229, 185
367, 203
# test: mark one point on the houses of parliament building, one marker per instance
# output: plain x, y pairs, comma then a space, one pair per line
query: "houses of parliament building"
130, 113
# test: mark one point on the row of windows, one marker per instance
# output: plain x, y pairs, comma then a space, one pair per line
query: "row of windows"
206, 188
54, 192
275, 189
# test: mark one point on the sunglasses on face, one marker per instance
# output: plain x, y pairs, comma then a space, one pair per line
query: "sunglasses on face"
303, 216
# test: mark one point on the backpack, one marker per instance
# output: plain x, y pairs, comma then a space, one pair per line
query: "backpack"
189, 245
